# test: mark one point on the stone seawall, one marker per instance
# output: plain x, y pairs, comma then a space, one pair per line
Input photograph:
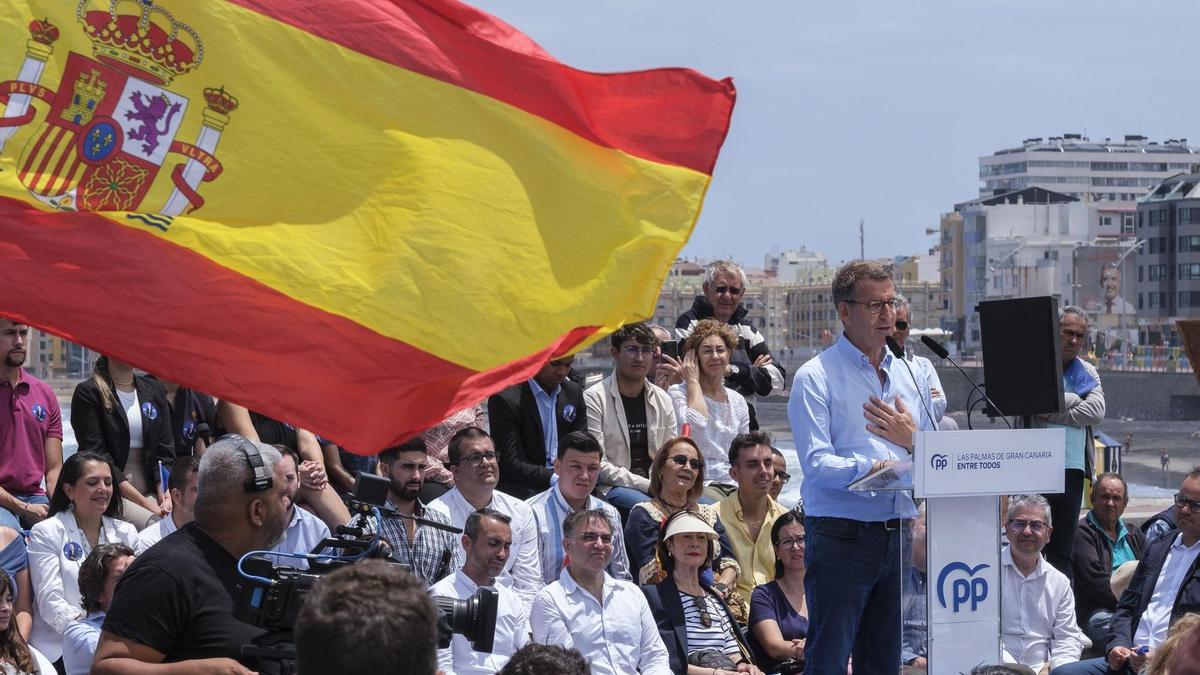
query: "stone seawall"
1143, 396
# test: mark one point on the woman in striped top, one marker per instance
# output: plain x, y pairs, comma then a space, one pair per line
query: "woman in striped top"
695, 624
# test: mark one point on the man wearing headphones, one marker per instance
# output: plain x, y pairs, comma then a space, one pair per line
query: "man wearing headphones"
173, 609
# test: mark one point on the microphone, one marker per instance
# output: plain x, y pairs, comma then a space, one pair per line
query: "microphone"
898, 351
941, 352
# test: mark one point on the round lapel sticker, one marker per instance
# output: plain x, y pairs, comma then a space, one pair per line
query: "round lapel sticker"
39, 412
149, 411
73, 551
189, 430
569, 413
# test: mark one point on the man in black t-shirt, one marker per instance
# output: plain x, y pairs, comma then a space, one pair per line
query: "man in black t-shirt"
174, 605
630, 416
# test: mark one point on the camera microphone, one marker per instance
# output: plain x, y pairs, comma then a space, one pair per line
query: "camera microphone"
898, 351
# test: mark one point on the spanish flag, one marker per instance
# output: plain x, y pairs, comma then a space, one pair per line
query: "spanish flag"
355, 216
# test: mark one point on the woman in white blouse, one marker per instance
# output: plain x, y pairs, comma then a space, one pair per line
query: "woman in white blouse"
713, 412
83, 514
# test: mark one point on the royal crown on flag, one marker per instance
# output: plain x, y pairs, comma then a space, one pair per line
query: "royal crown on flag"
148, 44
43, 31
220, 100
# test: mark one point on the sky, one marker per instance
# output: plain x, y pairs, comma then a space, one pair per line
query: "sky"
880, 111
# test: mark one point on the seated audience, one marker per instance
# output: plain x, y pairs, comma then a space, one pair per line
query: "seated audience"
914, 623
1102, 544
1037, 609
710, 640
749, 513
487, 538
779, 462
431, 554
182, 484
438, 479
174, 605
535, 659
630, 416
714, 412
84, 513
125, 416
372, 616
527, 420
476, 472
778, 610
304, 531
14, 560
1164, 588
586, 609
98, 577
577, 467
675, 485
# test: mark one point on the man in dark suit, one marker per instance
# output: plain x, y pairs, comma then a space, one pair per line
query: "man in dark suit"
527, 420
1165, 586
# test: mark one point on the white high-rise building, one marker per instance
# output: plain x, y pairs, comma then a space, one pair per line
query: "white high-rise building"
1090, 171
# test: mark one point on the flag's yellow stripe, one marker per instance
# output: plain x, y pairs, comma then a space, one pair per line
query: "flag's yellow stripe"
383, 196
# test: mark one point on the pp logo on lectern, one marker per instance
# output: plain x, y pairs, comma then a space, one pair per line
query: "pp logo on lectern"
938, 462
963, 590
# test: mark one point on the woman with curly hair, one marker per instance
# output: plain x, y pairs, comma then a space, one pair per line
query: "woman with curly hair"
713, 412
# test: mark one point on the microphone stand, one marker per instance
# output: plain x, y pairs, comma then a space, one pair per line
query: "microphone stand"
898, 351
941, 352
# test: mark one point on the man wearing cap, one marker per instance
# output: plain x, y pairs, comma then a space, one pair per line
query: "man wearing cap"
852, 413
606, 619
526, 421
30, 434
1102, 544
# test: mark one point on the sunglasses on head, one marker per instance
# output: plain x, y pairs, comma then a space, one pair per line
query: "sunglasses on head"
901, 324
684, 460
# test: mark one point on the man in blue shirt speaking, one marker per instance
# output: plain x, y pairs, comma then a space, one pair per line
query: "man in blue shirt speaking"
854, 410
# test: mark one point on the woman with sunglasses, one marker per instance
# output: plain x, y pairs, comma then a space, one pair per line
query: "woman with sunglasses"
778, 608
675, 484
699, 631
715, 413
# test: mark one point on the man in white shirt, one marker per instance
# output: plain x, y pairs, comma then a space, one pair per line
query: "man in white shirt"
606, 619
1037, 607
304, 530
577, 467
1165, 587
182, 484
487, 538
472, 460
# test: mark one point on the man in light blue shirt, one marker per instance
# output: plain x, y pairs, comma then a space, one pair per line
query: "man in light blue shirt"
854, 410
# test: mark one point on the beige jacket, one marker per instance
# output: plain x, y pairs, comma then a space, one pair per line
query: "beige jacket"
606, 421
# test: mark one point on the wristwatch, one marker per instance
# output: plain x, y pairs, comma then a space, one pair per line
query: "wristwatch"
721, 588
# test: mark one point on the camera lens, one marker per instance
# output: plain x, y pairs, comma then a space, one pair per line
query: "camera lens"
473, 618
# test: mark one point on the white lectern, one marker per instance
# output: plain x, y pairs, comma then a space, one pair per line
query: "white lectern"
960, 473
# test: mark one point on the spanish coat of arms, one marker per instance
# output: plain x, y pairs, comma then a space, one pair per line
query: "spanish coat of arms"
113, 123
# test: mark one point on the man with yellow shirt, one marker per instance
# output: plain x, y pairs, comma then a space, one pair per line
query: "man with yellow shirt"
749, 513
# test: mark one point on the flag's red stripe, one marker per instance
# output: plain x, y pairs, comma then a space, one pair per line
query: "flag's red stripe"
162, 307
671, 115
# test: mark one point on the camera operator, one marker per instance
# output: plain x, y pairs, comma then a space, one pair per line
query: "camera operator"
372, 616
487, 539
173, 610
